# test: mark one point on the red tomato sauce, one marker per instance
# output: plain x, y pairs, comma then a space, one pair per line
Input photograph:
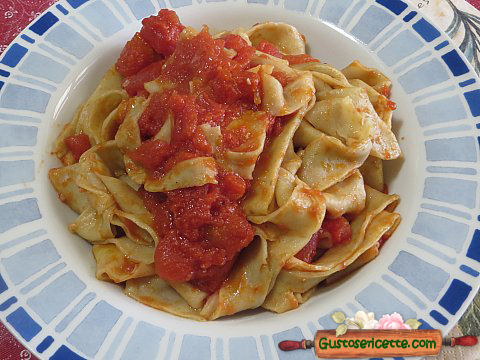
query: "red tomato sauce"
281, 77
385, 91
300, 59
162, 31
276, 127
269, 48
222, 91
311, 252
77, 144
383, 240
201, 229
392, 105
135, 55
339, 230
134, 84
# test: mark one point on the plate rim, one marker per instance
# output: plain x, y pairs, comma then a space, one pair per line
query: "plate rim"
471, 71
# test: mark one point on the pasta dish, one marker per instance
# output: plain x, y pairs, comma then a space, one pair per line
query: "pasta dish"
215, 173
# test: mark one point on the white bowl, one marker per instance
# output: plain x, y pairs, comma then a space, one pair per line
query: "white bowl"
427, 270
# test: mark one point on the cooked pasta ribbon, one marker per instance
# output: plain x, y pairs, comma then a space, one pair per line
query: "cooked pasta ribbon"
309, 150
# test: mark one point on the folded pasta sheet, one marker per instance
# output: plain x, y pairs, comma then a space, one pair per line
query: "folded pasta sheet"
216, 174
298, 277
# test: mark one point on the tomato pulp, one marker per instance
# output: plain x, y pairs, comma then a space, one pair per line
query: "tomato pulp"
203, 86
201, 229
77, 144
338, 230
269, 48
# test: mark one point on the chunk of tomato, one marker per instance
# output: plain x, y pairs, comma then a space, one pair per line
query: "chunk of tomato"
392, 105
153, 117
385, 91
310, 252
200, 234
282, 78
235, 42
269, 48
383, 240
162, 31
300, 59
136, 54
77, 144
151, 154
134, 84
244, 51
339, 229
233, 186
211, 279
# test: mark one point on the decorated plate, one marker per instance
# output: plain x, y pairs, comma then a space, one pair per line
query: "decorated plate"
428, 270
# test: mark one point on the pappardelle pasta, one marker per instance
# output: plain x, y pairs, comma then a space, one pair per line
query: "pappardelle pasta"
215, 173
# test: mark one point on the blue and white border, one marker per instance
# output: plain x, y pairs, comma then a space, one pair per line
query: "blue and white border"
47, 291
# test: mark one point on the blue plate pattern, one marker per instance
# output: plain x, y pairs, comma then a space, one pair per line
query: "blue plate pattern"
47, 291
